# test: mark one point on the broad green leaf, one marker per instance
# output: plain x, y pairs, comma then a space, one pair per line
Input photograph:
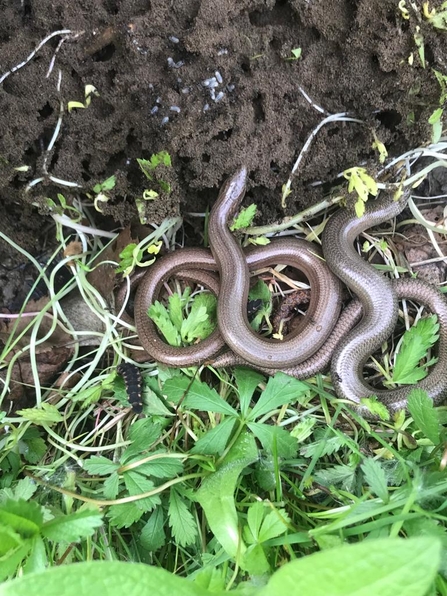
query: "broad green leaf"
24, 517
111, 486
24, 489
97, 465
195, 319
143, 433
72, 527
246, 380
10, 563
340, 475
281, 389
276, 522
153, 534
214, 441
37, 559
255, 516
260, 291
216, 494
196, 395
275, 439
387, 567
181, 521
376, 478
113, 578
46, 414
424, 415
175, 310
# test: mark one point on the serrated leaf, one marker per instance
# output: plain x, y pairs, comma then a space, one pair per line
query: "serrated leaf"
195, 319
340, 475
275, 523
214, 441
160, 316
196, 395
245, 218
153, 535
260, 291
281, 389
246, 380
124, 515
415, 344
137, 484
24, 489
175, 312
255, 515
111, 486
387, 567
46, 414
143, 433
373, 405
325, 446
72, 527
35, 450
181, 521
376, 478
424, 415
163, 467
275, 439
97, 465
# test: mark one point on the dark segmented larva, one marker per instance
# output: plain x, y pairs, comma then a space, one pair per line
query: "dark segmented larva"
132, 380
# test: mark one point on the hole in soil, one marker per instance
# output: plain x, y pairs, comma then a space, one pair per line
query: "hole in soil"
206, 158
54, 160
429, 57
223, 135
104, 54
27, 10
258, 108
86, 165
115, 161
111, 6
46, 111
246, 65
274, 167
390, 119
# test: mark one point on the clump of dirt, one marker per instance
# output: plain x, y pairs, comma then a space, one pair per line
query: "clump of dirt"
212, 83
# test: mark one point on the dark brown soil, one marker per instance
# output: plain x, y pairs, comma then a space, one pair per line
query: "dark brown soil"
354, 58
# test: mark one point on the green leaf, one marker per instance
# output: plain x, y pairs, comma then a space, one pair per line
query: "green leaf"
415, 344
197, 395
181, 521
98, 465
214, 441
245, 218
113, 578
74, 526
153, 535
260, 291
143, 433
323, 446
281, 389
275, 439
424, 415
23, 517
194, 320
216, 494
137, 484
246, 380
124, 515
275, 523
159, 314
175, 310
340, 475
387, 567
376, 478
111, 486
46, 414
162, 467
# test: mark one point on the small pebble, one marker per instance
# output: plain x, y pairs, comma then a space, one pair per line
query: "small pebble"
154, 110
171, 62
218, 77
185, 90
206, 107
174, 39
219, 96
222, 52
212, 94
175, 109
230, 88
158, 100
165, 120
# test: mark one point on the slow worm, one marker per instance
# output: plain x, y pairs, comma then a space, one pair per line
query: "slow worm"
323, 335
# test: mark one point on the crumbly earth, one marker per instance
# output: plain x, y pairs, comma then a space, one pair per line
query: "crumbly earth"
146, 56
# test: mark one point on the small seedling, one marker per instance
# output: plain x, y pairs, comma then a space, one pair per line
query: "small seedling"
89, 91
148, 167
99, 190
296, 54
363, 184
